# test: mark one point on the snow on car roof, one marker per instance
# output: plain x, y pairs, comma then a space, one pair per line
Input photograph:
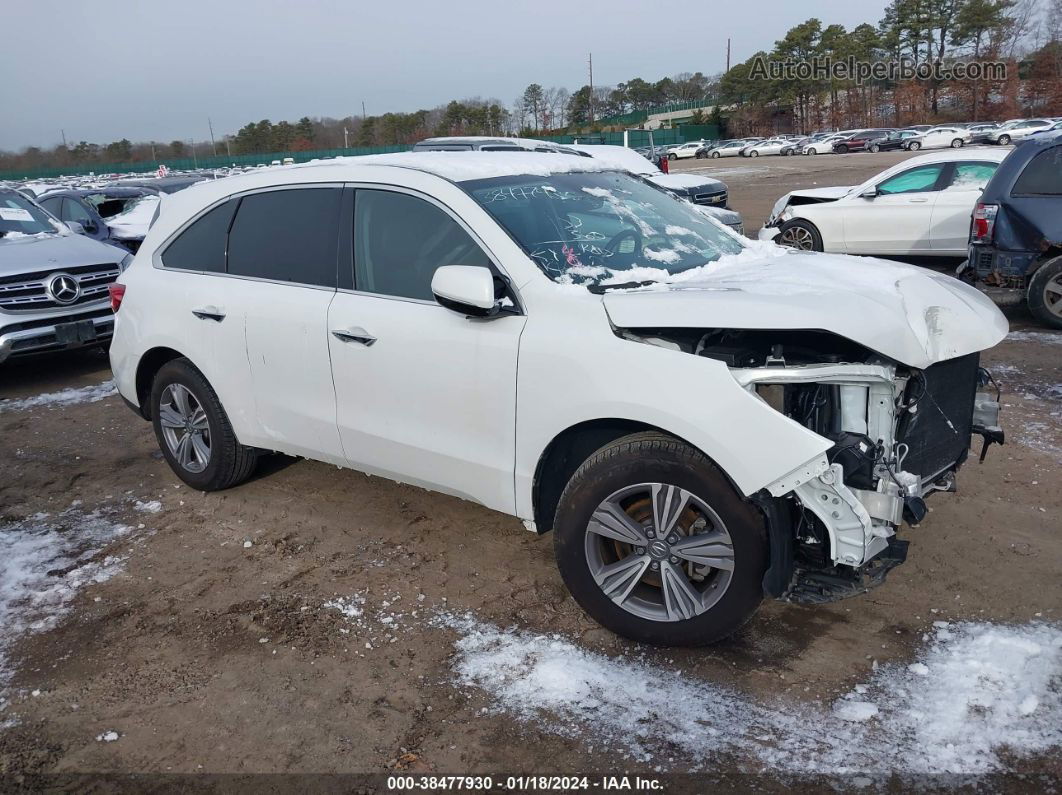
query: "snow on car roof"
465, 166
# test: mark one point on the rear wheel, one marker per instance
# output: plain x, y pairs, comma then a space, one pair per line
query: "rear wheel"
1004, 140
700, 155
656, 545
800, 234
672, 156
957, 143
194, 432
1044, 293
875, 148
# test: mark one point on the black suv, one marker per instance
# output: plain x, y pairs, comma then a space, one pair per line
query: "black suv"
1016, 234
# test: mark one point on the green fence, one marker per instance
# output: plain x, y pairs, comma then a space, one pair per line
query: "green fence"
636, 138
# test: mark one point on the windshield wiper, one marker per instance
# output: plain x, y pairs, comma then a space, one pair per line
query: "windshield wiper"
598, 289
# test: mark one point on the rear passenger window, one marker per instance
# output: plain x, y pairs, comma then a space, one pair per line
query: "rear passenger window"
1042, 176
201, 247
972, 176
399, 241
287, 235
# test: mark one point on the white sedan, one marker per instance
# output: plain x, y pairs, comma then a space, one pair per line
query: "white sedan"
825, 145
684, 150
939, 138
920, 207
772, 146
731, 149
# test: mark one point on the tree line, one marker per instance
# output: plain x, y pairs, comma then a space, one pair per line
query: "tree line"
1025, 34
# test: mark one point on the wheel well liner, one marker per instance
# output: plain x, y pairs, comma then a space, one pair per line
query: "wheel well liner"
150, 363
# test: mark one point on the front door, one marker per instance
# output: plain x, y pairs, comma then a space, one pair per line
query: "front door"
897, 219
423, 394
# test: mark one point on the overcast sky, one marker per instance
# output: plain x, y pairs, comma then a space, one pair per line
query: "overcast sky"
149, 70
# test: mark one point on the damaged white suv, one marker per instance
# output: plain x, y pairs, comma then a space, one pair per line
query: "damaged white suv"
700, 420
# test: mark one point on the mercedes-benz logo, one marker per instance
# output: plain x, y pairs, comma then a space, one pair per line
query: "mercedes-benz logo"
63, 288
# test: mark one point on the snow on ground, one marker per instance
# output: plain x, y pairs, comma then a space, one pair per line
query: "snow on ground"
1045, 337
46, 560
975, 690
64, 397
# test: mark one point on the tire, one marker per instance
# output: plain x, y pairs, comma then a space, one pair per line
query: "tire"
799, 234
715, 154
841, 150
700, 155
227, 462
1003, 140
644, 471
914, 146
874, 148
672, 156
754, 153
811, 152
1044, 293
957, 143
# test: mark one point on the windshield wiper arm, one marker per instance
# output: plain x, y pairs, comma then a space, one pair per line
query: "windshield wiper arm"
599, 289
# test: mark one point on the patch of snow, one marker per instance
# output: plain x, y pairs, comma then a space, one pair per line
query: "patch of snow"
154, 506
45, 562
133, 222
985, 688
65, 397
107, 737
1048, 337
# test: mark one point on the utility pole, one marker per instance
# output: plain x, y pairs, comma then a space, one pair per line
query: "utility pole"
591, 88
345, 144
213, 145
153, 158
363, 110
63, 133
728, 53
195, 160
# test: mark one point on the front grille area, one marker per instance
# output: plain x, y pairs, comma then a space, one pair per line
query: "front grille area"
28, 291
937, 433
717, 199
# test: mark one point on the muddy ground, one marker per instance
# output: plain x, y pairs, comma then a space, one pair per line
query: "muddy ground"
211, 651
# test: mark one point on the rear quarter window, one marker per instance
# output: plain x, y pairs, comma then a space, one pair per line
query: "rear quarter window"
1042, 175
201, 246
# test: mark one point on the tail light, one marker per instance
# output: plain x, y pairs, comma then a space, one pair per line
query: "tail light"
117, 293
984, 223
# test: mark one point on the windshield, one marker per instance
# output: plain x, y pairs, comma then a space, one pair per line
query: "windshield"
588, 227
19, 216
108, 205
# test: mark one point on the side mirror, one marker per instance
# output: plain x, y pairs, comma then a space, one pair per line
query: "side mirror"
76, 227
468, 289
869, 193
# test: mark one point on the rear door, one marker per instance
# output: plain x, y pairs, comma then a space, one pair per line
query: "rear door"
283, 249
897, 219
954, 204
424, 394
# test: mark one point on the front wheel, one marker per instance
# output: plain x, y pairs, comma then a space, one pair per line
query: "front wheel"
1004, 140
914, 146
957, 143
801, 235
811, 152
657, 546
700, 155
875, 148
194, 432
715, 154
672, 156
754, 153
1044, 293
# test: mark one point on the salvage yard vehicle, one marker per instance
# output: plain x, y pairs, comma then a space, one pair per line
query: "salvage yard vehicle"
824, 146
772, 146
682, 151
1016, 235
53, 282
1017, 129
918, 208
475, 323
939, 138
858, 141
729, 149
116, 215
896, 139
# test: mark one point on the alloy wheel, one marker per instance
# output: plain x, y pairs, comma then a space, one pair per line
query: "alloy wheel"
1053, 295
797, 237
659, 552
185, 427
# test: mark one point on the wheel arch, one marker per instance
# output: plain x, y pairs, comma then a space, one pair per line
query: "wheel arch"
150, 363
571, 447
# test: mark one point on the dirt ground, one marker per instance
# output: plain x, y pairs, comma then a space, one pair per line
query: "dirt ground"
212, 650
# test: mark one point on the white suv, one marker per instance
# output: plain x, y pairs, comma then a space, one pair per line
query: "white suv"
699, 420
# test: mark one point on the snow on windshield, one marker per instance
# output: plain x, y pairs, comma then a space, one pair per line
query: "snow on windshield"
601, 227
135, 218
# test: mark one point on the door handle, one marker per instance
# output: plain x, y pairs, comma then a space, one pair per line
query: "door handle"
209, 313
918, 201
356, 334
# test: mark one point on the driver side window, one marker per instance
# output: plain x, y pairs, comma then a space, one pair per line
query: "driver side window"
915, 180
399, 241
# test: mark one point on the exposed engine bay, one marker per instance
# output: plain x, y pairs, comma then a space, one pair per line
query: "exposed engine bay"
898, 433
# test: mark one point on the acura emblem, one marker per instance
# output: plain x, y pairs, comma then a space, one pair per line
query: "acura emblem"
63, 288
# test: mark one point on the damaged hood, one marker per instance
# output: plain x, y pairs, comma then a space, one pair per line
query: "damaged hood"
834, 192
908, 314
